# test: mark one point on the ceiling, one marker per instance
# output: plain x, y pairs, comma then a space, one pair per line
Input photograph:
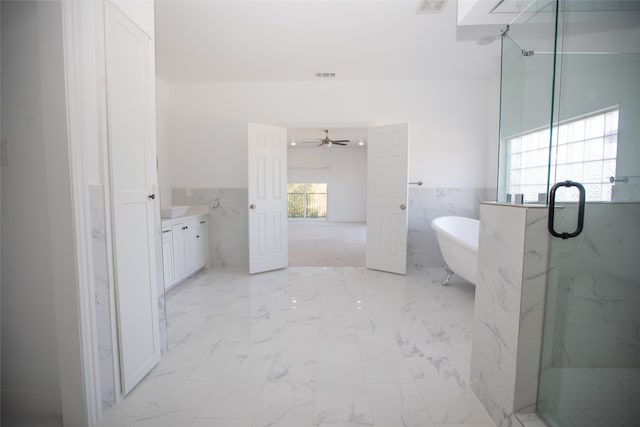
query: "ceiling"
293, 40
354, 135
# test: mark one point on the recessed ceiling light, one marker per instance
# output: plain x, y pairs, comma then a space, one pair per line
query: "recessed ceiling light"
361, 143
293, 143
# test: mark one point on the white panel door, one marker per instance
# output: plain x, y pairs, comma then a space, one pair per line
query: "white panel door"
387, 174
129, 118
268, 245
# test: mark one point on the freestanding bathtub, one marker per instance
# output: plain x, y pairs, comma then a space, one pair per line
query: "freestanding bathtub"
458, 240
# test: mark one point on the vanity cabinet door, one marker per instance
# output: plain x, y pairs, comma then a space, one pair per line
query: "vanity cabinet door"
203, 242
191, 246
196, 244
167, 258
179, 260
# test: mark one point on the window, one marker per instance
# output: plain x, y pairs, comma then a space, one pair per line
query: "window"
582, 150
307, 200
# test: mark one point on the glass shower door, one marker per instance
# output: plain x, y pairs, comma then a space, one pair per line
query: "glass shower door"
590, 369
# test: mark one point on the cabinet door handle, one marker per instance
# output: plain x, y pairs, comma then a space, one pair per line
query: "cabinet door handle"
151, 196
203, 222
185, 227
166, 231
198, 237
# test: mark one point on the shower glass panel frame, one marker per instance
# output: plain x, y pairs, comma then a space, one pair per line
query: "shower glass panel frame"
583, 58
526, 99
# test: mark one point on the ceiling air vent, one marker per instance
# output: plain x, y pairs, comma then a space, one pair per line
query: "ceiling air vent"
431, 6
325, 75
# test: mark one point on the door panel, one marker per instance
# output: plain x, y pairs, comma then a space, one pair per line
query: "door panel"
387, 215
267, 198
179, 250
129, 109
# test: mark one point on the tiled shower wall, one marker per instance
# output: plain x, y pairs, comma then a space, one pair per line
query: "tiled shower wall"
228, 225
596, 291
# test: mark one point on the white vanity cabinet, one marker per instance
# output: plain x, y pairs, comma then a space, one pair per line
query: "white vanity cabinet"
167, 256
196, 243
185, 246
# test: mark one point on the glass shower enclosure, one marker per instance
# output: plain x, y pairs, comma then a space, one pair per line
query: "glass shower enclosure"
570, 111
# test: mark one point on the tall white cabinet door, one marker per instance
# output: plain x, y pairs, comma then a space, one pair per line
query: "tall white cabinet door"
268, 245
129, 116
387, 207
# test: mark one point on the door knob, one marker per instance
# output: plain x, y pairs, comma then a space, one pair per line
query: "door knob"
403, 206
252, 206
151, 196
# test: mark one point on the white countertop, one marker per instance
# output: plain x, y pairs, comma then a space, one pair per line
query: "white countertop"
192, 213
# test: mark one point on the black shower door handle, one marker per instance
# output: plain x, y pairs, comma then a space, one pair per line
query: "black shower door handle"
552, 209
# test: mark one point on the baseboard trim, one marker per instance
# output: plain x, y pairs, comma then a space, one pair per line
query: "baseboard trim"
20, 401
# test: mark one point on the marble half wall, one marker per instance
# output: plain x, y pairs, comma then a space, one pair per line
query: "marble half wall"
428, 203
513, 264
228, 221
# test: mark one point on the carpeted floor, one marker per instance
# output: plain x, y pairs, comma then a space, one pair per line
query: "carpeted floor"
327, 244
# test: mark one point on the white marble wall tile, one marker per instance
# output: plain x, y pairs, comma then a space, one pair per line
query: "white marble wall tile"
228, 223
497, 308
597, 284
228, 226
534, 275
426, 204
527, 376
102, 297
532, 303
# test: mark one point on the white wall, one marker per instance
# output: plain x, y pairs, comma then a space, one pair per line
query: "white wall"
29, 350
163, 105
347, 183
449, 122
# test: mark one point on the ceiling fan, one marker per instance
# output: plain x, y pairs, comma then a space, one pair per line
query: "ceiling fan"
328, 141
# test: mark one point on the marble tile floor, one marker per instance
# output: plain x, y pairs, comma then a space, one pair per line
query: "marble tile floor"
311, 346
318, 243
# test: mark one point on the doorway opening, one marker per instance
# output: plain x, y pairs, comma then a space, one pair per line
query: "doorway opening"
327, 197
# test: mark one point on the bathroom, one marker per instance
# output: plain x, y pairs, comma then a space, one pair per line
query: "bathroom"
587, 91
557, 313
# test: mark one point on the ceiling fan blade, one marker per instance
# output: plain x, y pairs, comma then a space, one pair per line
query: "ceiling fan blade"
338, 143
340, 140
308, 142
